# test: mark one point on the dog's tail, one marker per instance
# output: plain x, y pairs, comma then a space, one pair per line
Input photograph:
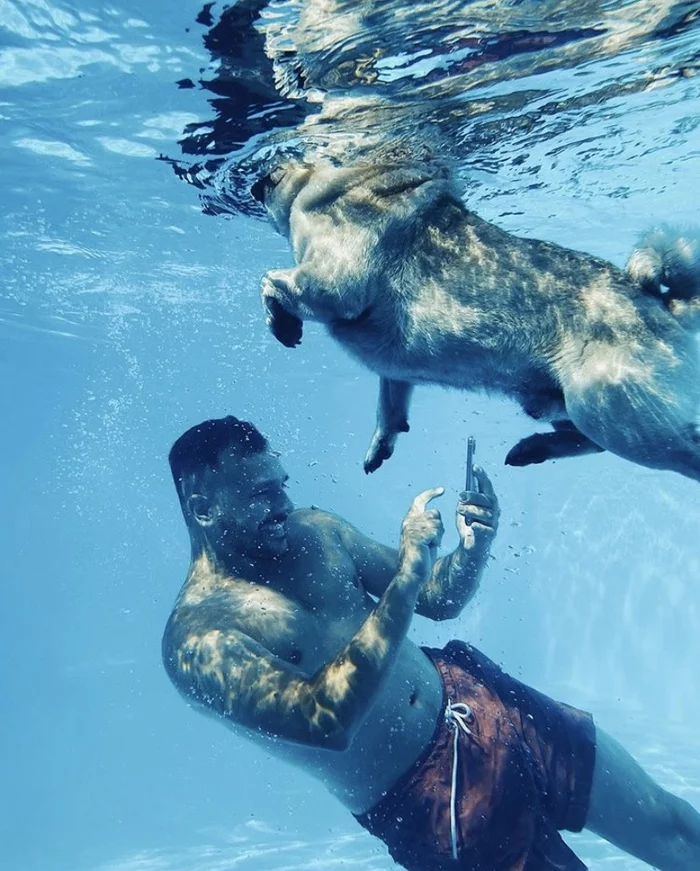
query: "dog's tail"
666, 263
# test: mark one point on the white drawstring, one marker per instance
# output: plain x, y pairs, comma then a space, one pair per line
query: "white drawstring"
457, 715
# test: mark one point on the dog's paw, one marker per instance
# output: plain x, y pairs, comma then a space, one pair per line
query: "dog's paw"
286, 328
534, 449
380, 449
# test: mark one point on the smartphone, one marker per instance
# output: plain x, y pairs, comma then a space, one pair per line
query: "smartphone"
471, 484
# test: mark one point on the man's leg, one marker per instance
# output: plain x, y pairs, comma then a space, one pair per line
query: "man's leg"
633, 812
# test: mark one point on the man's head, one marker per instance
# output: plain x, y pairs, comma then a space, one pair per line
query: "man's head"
231, 488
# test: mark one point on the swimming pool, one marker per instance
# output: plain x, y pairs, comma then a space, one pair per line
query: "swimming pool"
130, 312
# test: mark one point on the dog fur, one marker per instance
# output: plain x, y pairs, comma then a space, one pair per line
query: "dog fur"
421, 290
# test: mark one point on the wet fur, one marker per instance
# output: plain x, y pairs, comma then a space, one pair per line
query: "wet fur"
421, 290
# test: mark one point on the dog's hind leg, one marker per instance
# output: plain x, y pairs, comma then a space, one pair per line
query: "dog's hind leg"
392, 419
643, 408
565, 441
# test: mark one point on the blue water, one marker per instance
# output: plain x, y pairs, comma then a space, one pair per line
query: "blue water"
128, 315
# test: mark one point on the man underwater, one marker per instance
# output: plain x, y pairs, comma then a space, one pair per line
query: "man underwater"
292, 628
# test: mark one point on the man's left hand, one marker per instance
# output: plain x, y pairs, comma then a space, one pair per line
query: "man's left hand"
478, 513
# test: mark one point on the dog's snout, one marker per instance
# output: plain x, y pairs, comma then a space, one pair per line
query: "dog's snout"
257, 191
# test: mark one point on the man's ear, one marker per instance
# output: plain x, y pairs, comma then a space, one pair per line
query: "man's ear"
201, 509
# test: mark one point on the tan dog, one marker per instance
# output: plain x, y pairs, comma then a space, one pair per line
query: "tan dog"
421, 290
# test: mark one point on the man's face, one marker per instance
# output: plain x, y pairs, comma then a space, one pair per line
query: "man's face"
250, 505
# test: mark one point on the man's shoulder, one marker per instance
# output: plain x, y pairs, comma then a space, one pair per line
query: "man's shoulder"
313, 514
204, 606
196, 623
327, 529
232, 604
201, 608
316, 520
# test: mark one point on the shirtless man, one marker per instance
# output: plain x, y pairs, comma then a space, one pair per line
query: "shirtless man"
292, 628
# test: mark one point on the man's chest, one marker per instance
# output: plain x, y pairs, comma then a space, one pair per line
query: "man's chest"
321, 608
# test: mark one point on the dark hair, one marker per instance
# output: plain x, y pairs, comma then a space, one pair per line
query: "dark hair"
201, 446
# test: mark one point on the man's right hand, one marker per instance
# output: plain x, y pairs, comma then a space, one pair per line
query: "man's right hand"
421, 534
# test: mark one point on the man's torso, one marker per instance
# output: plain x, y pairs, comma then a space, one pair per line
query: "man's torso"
311, 604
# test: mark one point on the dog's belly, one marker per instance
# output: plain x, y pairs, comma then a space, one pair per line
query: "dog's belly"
457, 363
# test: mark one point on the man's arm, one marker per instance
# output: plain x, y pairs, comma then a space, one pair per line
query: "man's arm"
455, 577
237, 678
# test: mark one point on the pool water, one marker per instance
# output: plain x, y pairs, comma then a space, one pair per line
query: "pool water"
132, 254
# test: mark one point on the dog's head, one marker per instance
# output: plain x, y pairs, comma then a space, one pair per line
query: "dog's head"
278, 190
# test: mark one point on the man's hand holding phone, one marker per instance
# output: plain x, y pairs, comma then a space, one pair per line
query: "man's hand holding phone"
477, 509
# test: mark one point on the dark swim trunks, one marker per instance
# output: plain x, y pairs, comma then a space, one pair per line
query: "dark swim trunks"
524, 771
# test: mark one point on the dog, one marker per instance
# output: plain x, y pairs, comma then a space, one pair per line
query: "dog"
421, 290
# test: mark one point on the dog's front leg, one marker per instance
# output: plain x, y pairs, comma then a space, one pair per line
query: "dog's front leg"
280, 296
392, 418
